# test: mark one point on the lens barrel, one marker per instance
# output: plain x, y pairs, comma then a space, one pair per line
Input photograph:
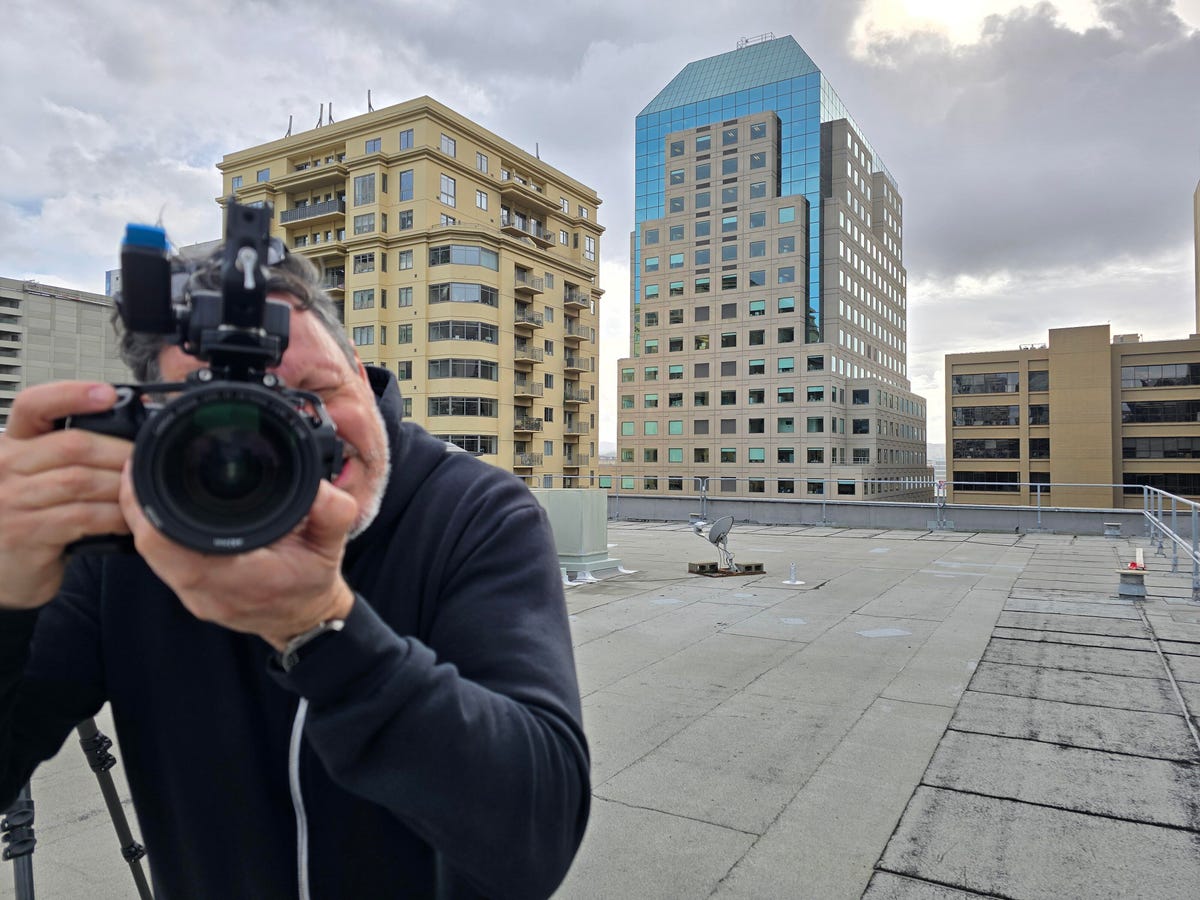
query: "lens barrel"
227, 467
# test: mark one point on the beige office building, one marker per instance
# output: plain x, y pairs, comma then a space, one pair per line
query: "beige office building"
768, 315
465, 265
50, 333
1084, 420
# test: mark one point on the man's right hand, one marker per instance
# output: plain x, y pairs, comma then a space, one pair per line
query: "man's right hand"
56, 486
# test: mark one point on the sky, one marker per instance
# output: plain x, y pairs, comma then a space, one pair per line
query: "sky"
1047, 153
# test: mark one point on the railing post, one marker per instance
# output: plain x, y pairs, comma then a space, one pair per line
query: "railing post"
1195, 558
1039, 505
1174, 535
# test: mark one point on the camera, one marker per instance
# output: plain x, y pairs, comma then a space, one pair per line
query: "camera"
232, 460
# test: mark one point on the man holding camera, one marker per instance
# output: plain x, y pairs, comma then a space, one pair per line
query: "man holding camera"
411, 725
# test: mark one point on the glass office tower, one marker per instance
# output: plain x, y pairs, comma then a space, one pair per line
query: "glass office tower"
766, 269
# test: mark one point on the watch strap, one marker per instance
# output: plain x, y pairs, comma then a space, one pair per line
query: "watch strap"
290, 655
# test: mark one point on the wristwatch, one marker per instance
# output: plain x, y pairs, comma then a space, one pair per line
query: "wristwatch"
291, 652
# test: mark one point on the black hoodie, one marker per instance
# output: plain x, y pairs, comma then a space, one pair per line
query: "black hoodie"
443, 752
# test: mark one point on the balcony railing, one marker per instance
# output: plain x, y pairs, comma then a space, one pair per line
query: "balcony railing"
576, 428
574, 329
529, 354
579, 363
523, 281
525, 317
333, 281
526, 228
527, 389
577, 297
312, 210
526, 460
527, 423
576, 460
574, 396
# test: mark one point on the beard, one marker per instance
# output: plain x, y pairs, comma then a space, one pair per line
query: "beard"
378, 469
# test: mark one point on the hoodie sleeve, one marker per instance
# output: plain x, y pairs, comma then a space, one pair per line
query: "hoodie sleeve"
468, 731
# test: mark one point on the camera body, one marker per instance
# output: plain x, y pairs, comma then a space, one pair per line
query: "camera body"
233, 459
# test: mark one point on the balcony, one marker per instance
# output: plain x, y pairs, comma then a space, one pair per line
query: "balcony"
334, 280
526, 460
518, 190
313, 212
527, 318
573, 330
528, 355
527, 283
521, 227
575, 429
527, 389
527, 423
576, 298
575, 461
578, 364
313, 176
574, 395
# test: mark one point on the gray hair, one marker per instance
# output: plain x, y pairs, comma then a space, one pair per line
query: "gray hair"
295, 275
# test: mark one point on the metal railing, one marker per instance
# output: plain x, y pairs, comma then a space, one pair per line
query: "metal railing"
1163, 512
312, 210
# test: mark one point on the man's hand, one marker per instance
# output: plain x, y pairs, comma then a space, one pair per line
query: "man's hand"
55, 487
276, 592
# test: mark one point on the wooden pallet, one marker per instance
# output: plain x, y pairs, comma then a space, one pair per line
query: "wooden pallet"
713, 570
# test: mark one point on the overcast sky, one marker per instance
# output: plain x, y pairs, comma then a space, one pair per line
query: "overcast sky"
1047, 154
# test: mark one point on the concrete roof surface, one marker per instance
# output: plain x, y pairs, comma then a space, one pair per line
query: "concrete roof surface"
929, 715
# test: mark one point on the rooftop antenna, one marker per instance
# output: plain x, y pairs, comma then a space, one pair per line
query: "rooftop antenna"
330, 112
321, 121
370, 108
537, 151
289, 131
718, 536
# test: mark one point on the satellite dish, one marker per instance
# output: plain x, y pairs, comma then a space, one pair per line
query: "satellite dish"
718, 536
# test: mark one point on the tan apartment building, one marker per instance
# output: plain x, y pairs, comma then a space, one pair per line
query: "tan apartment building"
465, 265
50, 333
768, 294
1070, 418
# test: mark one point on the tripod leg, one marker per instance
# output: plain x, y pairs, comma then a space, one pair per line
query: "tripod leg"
95, 747
19, 841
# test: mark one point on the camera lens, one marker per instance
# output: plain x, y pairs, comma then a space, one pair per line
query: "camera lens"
226, 468
226, 460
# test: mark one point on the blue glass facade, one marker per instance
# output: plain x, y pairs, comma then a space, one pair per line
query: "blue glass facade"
774, 75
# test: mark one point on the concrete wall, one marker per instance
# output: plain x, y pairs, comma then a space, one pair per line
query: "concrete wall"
957, 517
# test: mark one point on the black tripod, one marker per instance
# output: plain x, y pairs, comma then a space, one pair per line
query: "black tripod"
17, 825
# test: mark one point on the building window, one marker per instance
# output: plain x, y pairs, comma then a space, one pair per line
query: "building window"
262, 175
449, 145
785, 454
756, 455
757, 367
447, 190
406, 259
988, 383
364, 189
405, 296
406, 139
758, 307
676, 176
364, 224
816, 424
589, 248
651, 236
703, 142
992, 415
729, 136
676, 204
786, 274
861, 426
406, 184
729, 224
363, 335
703, 257
728, 454
363, 262
463, 368
404, 372
236, 182
785, 425
374, 145
677, 148
404, 334
729, 195
481, 199
481, 162
364, 299
785, 395
676, 261
704, 171
786, 365
758, 190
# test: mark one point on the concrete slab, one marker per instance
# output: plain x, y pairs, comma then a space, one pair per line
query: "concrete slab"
632, 852
1066, 686
737, 767
1010, 849
1114, 609
1079, 640
1081, 659
1072, 624
1184, 668
1161, 735
819, 845
1160, 792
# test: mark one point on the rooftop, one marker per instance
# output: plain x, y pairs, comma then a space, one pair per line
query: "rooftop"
930, 714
